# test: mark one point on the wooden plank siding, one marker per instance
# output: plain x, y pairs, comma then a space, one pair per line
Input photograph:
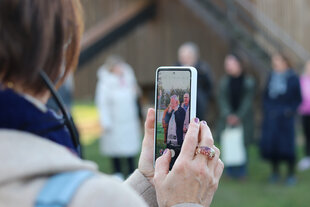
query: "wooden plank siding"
152, 44
96, 10
105, 25
292, 16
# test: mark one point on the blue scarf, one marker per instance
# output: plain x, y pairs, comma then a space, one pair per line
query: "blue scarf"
278, 84
18, 113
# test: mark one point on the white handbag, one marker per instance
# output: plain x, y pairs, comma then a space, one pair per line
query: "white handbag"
233, 152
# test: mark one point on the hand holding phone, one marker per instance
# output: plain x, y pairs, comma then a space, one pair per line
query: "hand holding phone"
176, 89
175, 107
193, 178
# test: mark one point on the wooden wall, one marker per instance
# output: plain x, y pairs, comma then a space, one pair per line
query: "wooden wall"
292, 16
151, 45
156, 42
96, 10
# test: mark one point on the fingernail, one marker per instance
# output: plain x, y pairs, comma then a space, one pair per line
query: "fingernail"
166, 150
196, 120
204, 122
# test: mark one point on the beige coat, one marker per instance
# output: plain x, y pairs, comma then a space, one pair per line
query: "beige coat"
27, 161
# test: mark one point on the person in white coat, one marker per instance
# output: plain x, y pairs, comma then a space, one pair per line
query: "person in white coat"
116, 99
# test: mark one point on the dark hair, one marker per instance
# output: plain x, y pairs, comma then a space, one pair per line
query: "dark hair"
238, 59
38, 35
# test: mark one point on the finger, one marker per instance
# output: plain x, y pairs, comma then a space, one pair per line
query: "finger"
205, 138
162, 166
213, 163
218, 171
149, 128
190, 140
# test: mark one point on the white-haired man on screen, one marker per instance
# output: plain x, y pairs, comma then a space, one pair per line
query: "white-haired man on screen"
175, 117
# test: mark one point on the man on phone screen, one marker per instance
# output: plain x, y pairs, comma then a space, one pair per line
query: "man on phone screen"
175, 118
185, 106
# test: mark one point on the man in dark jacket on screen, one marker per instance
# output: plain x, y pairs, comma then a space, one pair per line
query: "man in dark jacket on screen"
175, 117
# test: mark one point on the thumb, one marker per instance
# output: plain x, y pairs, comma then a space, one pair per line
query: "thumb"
162, 166
149, 122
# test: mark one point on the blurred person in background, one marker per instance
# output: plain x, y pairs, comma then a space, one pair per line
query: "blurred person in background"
189, 55
116, 99
281, 99
235, 99
304, 111
39, 47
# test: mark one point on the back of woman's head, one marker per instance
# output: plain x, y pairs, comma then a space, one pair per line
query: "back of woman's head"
38, 35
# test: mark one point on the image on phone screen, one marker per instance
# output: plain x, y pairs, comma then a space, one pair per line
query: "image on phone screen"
172, 111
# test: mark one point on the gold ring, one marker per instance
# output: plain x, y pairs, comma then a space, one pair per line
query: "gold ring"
207, 151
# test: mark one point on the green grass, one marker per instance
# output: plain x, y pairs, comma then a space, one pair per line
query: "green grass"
86, 117
160, 139
160, 131
253, 192
91, 152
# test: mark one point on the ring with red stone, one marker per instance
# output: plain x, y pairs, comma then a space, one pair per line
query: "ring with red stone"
207, 151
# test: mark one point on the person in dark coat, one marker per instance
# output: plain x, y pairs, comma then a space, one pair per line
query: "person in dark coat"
175, 117
281, 99
235, 99
188, 55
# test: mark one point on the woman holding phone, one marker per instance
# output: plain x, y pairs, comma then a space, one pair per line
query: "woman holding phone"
39, 47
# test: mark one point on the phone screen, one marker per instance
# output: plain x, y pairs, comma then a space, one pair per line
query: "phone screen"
172, 110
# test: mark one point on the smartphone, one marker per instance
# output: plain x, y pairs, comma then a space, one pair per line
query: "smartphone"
175, 106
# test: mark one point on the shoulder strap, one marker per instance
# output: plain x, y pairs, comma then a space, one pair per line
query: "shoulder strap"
60, 188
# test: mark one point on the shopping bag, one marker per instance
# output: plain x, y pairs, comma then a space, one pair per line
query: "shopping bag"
233, 151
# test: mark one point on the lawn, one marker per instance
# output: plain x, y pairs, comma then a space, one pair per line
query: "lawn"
160, 139
252, 192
